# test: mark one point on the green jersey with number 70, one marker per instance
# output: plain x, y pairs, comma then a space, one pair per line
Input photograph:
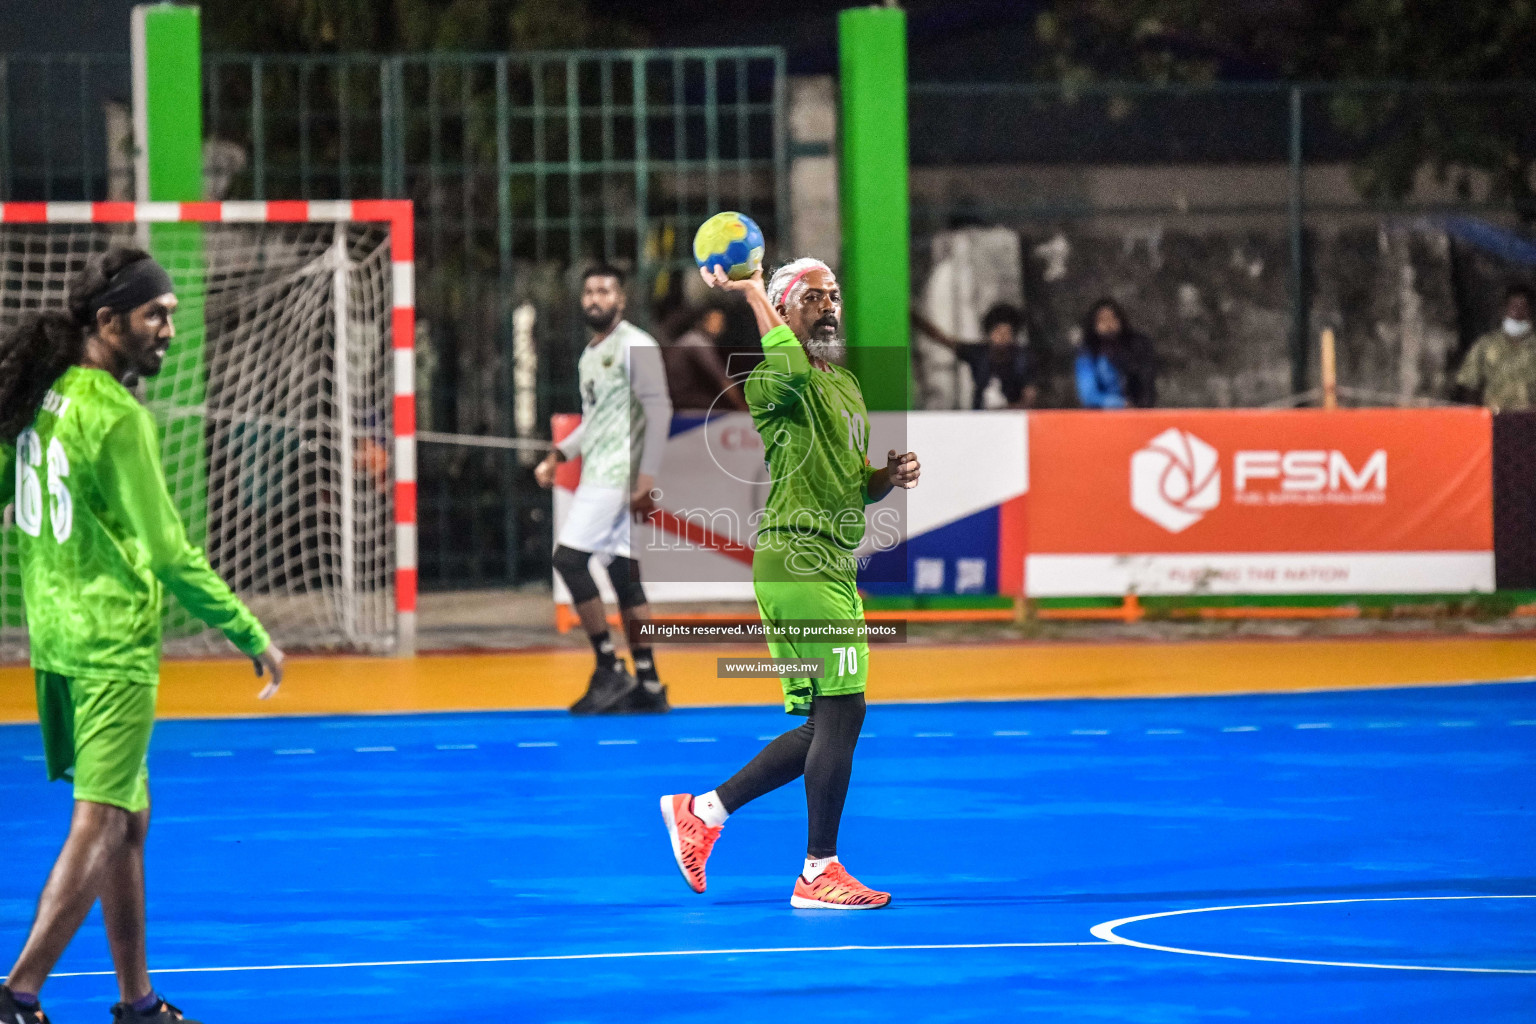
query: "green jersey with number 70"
100, 540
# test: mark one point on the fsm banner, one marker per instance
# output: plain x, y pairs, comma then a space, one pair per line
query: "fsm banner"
1260, 502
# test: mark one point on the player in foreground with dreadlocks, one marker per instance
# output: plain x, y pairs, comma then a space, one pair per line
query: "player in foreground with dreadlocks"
100, 544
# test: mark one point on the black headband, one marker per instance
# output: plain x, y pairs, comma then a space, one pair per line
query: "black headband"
132, 286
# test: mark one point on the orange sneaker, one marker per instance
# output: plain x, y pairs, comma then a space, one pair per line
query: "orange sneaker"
836, 889
691, 838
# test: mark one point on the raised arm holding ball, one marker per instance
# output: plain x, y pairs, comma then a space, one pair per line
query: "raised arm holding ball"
811, 415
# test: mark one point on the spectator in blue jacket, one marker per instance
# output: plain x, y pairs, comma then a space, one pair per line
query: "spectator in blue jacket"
1116, 368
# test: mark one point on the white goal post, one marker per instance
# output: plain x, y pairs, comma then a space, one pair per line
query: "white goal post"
286, 404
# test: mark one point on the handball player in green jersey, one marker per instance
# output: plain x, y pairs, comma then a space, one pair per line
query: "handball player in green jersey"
815, 429
100, 544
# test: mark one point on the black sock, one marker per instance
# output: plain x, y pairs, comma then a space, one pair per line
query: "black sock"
645, 668
602, 646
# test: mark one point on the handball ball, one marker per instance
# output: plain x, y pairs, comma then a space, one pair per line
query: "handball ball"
731, 241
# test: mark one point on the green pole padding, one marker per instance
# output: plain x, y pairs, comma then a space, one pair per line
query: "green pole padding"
168, 134
876, 270
168, 100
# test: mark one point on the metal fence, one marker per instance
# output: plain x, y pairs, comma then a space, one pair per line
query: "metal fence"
54, 125
522, 167
1233, 222
1236, 221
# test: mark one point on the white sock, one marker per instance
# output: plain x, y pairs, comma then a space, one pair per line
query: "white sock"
814, 866
709, 809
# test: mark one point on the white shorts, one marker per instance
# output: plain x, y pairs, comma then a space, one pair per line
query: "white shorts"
598, 521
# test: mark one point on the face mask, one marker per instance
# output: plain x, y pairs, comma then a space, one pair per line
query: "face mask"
1516, 328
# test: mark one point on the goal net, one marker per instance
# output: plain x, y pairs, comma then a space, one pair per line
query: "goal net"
285, 404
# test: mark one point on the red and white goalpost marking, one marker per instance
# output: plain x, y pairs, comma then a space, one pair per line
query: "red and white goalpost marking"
400, 216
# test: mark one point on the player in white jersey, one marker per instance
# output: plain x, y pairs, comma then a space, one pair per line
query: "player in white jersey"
625, 418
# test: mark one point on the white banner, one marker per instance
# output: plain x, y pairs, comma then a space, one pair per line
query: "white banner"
1378, 572
714, 484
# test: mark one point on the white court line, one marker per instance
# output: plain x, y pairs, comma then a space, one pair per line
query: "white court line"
213, 753
934, 735
374, 750
1011, 732
458, 746
1386, 725
588, 956
1090, 732
297, 750
1106, 931
697, 739
617, 743
1164, 732
1314, 725
1524, 721
33, 757
1241, 728
542, 743
1457, 725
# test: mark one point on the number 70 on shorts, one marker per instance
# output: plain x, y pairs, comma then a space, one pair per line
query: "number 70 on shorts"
847, 661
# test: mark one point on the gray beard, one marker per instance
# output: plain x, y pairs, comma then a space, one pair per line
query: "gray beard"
833, 349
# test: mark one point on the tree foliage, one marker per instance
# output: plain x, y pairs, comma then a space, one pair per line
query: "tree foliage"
1457, 134
1324, 40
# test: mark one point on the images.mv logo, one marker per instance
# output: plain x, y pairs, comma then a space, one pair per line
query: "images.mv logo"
1176, 479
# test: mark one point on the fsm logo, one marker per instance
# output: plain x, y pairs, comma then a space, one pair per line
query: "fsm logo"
1175, 480
1308, 478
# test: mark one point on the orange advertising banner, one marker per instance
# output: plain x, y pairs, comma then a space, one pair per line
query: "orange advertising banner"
1255, 500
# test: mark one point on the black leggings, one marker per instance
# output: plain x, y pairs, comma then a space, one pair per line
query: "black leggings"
822, 751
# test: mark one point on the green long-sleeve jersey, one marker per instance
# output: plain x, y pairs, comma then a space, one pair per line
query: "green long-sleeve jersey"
100, 540
815, 432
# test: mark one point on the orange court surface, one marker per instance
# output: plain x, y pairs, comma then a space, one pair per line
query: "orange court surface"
552, 678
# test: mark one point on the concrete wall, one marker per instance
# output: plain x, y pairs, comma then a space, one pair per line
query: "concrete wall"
1239, 193
813, 186
1199, 255
1215, 301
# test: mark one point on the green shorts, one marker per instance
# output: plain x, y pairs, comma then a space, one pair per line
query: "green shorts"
96, 732
806, 581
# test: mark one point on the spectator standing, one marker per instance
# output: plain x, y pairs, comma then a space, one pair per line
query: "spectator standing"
1500, 367
1116, 367
696, 375
1002, 376
975, 267
1000, 366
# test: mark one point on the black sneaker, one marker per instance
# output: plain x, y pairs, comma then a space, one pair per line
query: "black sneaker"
163, 1013
12, 1012
607, 691
644, 701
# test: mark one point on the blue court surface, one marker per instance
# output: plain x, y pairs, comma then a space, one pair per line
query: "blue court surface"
1350, 856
